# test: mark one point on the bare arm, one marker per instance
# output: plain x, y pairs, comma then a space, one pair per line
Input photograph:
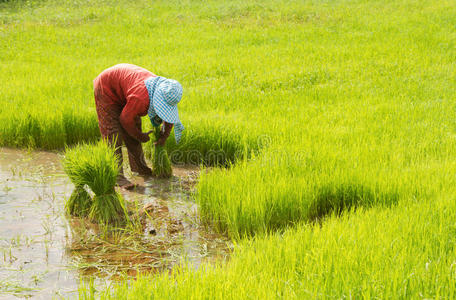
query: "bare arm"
128, 119
165, 132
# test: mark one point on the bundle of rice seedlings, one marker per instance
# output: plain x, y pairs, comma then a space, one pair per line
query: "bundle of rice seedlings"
108, 208
95, 166
79, 202
161, 164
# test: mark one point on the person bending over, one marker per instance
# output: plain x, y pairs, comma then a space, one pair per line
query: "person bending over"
123, 94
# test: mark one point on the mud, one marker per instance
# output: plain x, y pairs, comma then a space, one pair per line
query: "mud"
45, 254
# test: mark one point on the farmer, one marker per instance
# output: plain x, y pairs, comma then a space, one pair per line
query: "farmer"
123, 94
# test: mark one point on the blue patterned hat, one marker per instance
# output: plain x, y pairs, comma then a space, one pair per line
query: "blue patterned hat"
164, 94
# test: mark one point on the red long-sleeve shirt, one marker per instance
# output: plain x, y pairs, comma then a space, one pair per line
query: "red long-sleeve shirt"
123, 85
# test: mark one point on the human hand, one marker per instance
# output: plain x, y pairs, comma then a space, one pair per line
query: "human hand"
145, 137
164, 133
161, 140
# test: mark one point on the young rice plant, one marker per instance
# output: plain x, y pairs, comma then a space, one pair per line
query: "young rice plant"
161, 163
95, 166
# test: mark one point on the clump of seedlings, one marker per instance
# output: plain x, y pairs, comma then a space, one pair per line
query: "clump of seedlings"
79, 202
94, 166
161, 164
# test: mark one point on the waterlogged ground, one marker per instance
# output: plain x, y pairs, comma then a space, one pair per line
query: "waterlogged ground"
45, 254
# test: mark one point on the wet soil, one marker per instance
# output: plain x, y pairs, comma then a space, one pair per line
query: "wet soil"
45, 253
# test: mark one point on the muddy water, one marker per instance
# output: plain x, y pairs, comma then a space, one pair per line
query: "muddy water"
45, 254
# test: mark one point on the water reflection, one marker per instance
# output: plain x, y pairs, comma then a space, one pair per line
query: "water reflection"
43, 253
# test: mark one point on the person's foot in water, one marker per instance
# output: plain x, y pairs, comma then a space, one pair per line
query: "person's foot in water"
124, 183
143, 171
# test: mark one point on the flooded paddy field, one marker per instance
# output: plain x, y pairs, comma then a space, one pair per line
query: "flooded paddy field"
46, 254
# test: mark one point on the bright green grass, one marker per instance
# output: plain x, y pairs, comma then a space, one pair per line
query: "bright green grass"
79, 202
328, 95
336, 104
401, 253
161, 163
95, 166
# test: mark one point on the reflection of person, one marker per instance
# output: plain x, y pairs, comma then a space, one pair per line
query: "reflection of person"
123, 94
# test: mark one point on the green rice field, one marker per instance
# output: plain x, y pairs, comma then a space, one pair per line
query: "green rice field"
326, 132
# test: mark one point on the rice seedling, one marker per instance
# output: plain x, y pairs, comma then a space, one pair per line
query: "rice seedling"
94, 166
79, 202
108, 208
161, 163
362, 255
354, 97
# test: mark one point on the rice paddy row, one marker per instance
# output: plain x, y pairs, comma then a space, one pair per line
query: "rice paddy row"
406, 252
317, 108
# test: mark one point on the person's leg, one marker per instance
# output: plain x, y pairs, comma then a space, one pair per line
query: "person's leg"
109, 124
135, 152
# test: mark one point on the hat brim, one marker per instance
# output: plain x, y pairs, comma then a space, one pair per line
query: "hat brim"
166, 112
